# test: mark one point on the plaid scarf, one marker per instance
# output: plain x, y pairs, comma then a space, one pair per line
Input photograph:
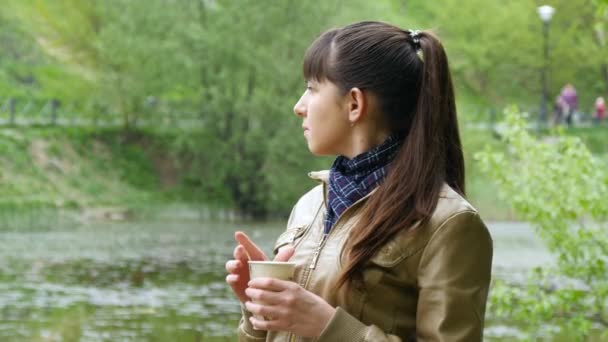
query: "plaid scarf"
352, 179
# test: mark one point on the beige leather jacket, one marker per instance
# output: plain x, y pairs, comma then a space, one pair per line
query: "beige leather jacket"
428, 286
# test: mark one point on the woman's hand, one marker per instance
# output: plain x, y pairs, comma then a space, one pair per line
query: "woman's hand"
238, 268
288, 306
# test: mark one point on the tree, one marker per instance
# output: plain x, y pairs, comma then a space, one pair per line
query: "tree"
122, 50
245, 66
18, 56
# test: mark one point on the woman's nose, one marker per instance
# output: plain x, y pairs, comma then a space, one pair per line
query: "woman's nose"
299, 108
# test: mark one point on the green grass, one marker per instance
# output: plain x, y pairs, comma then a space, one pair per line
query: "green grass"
595, 137
74, 167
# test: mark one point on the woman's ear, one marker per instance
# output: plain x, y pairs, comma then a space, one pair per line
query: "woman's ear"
357, 105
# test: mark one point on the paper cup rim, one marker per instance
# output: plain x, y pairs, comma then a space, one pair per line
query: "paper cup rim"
272, 262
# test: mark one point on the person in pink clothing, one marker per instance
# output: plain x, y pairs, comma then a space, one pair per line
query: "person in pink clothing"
570, 98
599, 112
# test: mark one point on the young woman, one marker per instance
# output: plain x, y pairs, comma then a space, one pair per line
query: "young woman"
386, 247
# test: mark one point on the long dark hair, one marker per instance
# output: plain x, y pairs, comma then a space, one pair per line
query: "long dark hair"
409, 75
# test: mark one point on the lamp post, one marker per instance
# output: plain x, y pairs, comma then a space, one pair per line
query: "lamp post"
545, 13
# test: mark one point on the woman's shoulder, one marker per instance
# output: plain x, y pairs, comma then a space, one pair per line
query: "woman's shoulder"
453, 219
312, 197
451, 205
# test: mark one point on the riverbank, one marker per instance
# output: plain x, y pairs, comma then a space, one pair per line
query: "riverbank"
108, 174
78, 168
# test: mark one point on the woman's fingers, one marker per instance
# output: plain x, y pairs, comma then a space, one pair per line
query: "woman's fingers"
239, 253
232, 266
272, 313
272, 284
233, 280
285, 253
267, 325
254, 252
266, 297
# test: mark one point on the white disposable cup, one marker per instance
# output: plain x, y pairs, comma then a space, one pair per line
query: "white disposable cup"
271, 269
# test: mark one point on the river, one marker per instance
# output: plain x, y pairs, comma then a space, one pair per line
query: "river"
157, 281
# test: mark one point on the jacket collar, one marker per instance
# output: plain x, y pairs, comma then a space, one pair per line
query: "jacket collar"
320, 176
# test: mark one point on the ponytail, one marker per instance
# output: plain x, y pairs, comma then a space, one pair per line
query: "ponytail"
430, 156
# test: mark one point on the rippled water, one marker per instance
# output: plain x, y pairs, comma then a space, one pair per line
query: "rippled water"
145, 281
155, 281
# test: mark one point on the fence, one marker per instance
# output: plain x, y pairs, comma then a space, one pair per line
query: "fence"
51, 112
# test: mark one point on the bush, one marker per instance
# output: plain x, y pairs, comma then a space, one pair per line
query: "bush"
561, 189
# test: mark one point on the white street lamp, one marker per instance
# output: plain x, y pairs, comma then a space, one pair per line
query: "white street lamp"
545, 13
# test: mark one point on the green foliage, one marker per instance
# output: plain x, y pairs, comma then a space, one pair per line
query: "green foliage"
234, 67
121, 51
557, 185
237, 70
496, 48
246, 86
17, 55
480, 188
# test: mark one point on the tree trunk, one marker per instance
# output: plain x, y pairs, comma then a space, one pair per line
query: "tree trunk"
604, 73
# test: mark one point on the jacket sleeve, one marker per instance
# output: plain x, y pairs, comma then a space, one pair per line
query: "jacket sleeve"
453, 279
344, 327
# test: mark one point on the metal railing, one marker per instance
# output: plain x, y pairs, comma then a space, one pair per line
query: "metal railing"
51, 112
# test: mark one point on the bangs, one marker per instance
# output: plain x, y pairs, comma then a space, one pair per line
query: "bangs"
317, 60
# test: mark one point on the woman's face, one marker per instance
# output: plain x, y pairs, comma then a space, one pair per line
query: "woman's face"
325, 118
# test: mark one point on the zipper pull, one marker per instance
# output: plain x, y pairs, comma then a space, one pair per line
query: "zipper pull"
315, 256
295, 234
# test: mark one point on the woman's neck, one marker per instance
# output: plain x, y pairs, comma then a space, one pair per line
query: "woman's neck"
362, 141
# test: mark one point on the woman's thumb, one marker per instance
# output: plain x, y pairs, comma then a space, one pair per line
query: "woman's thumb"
285, 253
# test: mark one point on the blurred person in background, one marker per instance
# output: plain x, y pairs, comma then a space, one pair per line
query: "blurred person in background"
570, 99
559, 110
599, 112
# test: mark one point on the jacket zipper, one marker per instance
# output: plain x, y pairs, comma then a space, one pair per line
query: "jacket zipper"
315, 256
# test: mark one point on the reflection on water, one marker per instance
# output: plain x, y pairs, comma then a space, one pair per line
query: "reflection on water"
154, 281
145, 281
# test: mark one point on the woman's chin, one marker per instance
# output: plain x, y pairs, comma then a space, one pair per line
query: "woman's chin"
315, 150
